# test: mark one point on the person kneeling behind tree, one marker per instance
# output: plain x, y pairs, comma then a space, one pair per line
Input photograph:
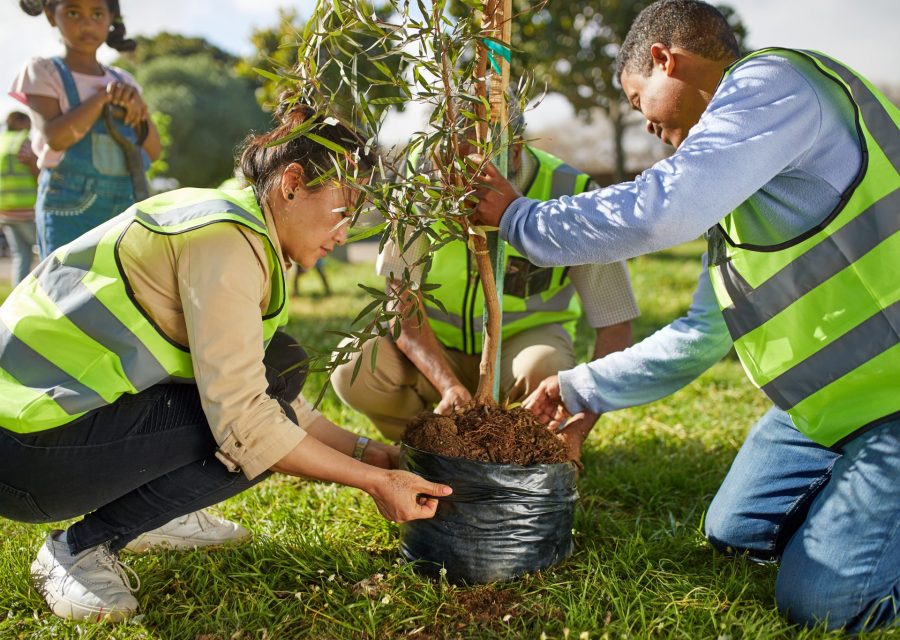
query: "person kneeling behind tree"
436, 362
144, 375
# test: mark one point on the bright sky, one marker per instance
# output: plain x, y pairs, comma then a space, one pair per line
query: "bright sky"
859, 33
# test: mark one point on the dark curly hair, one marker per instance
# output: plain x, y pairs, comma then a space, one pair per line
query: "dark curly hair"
690, 24
116, 38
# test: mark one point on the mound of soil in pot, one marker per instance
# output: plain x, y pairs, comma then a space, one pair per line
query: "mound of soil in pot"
486, 434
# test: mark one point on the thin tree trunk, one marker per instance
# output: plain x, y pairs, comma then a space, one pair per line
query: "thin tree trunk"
617, 119
498, 15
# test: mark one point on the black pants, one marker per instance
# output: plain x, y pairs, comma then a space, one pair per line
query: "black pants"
133, 465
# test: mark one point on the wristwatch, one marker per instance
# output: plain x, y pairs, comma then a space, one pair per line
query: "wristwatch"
360, 447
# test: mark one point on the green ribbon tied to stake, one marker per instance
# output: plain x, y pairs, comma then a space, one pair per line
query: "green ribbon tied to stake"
500, 49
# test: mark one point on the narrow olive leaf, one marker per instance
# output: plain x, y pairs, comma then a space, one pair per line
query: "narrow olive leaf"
366, 233
356, 367
374, 304
372, 291
435, 301
374, 359
268, 75
325, 142
322, 392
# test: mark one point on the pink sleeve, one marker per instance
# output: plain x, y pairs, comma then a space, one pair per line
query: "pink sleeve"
37, 78
127, 77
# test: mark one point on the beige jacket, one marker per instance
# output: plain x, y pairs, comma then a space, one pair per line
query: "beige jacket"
208, 291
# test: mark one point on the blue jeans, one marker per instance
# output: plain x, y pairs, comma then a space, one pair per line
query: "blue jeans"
833, 520
21, 237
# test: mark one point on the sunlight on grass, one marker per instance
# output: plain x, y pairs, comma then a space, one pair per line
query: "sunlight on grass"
324, 564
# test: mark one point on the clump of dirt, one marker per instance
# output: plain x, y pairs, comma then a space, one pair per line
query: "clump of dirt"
487, 434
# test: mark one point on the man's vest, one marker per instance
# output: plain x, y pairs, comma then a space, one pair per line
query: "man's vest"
532, 296
72, 335
18, 186
816, 320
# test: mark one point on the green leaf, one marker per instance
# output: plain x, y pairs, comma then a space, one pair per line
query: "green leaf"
325, 142
366, 233
268, 75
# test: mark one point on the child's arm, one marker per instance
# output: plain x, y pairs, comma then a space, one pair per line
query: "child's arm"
62, 130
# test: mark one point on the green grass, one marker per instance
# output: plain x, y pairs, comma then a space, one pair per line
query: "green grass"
324, 564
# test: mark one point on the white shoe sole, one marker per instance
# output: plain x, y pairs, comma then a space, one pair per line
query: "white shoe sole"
69, 609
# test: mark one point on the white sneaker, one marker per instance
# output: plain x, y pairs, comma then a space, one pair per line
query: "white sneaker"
93, 585
192, 531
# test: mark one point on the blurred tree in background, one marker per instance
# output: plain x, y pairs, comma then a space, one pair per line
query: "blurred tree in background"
210, 109
571, 47
166, 44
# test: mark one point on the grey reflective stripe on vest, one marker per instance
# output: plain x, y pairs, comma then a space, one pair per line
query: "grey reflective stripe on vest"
563, 181
754, 307
62, 284
853, 349
879, 122
558, 303
197, 210
31, 369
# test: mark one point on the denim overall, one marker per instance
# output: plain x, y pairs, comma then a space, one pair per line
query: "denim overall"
89, 186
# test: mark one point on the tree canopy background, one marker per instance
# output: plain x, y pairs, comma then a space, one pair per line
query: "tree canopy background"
211, 108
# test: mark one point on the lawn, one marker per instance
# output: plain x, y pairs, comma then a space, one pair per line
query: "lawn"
323, 563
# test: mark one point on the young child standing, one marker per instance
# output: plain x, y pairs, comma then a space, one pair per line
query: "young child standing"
84, 179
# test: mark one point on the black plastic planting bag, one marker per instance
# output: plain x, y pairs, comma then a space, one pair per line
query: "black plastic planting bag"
502, 520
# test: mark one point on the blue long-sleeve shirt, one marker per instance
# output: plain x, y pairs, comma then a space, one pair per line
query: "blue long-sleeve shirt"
775, 131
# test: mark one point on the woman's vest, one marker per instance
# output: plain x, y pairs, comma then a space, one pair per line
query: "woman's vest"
816, 320
532, 296
72, 335
18, 186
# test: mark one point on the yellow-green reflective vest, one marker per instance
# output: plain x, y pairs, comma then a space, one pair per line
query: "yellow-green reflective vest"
816, 320
532, 296
72, 336
18, 187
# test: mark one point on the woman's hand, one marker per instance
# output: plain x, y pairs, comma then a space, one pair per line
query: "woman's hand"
402, 496
546, 403
454, 397
378, 454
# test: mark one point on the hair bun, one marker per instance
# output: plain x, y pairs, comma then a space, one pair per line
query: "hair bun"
32, 7
291, 111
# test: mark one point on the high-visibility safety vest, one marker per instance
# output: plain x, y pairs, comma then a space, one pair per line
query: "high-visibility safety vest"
816, 320
18, 186
72, 336
532, 296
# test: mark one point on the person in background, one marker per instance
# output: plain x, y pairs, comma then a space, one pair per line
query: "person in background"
18, 191
153, 379
84, 178
789, 161
435, 363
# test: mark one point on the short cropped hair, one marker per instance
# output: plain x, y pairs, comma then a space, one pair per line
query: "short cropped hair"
690, 24
17, 118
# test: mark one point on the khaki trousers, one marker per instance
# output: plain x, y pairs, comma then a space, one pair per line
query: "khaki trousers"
396, 391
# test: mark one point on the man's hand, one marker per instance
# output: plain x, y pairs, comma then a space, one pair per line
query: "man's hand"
454, 396
576, 432
495, 193
546, 403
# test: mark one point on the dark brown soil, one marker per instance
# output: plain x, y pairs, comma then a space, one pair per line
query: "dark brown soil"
487, 434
